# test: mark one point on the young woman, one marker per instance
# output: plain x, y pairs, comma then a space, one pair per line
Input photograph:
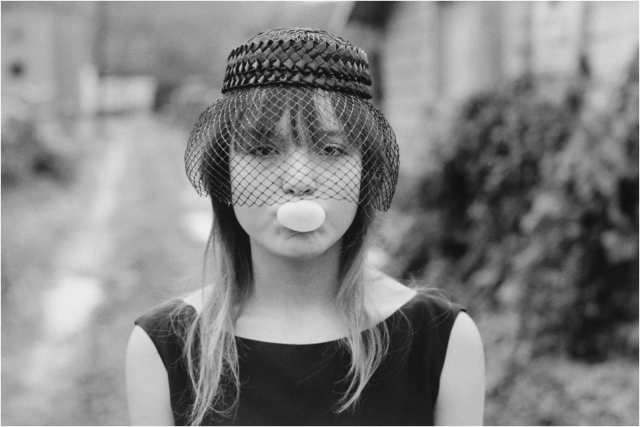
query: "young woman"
293, 327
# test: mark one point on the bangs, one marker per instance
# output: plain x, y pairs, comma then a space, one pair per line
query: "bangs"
298, 118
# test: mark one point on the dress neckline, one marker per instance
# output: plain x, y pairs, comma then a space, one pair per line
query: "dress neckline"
321, 343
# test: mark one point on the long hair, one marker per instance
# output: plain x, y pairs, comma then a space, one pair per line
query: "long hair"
210, 347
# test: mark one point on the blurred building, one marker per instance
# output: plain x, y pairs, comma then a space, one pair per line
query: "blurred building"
179, 43
51, 58
47, 55
428, 56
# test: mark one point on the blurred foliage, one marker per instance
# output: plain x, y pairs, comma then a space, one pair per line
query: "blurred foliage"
27, 153
533, 225
558, 391
537, 212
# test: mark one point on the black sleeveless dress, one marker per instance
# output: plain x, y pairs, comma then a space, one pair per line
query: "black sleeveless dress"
291, 384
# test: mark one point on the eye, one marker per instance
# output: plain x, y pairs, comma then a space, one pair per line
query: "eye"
333, 150
263, 151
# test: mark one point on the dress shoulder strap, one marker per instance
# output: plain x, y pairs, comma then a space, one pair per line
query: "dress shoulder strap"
431, 318
166, 325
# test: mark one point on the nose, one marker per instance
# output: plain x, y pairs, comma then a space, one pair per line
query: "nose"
298, 178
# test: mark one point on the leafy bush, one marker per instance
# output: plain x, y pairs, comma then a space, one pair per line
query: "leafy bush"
536, 214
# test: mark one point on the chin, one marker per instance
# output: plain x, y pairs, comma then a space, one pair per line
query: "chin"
305, 246
305, 251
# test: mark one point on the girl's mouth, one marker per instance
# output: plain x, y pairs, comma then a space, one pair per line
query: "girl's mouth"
303, 216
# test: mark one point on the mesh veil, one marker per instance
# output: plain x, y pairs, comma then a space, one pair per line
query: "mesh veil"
272, 140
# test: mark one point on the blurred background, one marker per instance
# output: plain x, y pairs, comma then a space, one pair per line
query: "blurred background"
518, 193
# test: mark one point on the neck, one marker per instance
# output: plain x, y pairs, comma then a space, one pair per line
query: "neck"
294, 284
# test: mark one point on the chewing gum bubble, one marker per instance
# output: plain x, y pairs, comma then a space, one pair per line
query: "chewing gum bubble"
302, 216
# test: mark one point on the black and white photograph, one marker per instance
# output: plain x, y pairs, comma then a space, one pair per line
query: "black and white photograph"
320, 213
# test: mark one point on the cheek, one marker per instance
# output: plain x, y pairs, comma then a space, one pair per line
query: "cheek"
248, 218
255, 181
342, 213
341, 178
253, 218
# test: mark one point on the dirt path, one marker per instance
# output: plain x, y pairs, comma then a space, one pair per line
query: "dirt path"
131, 236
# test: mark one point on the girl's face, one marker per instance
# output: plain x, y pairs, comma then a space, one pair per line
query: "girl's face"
296, 163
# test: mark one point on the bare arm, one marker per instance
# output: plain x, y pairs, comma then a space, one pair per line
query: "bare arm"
461, 396
147, 383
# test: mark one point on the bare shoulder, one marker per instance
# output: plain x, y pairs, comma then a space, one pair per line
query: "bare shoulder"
140, 344
462, 380
147, 382
465, 344
465, 333
384, 295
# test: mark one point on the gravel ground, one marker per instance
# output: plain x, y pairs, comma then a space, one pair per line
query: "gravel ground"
82, 262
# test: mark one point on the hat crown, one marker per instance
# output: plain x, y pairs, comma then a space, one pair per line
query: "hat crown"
299, 56
297, 33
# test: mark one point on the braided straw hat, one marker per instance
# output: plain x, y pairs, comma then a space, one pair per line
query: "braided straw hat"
294, 122
300, 57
